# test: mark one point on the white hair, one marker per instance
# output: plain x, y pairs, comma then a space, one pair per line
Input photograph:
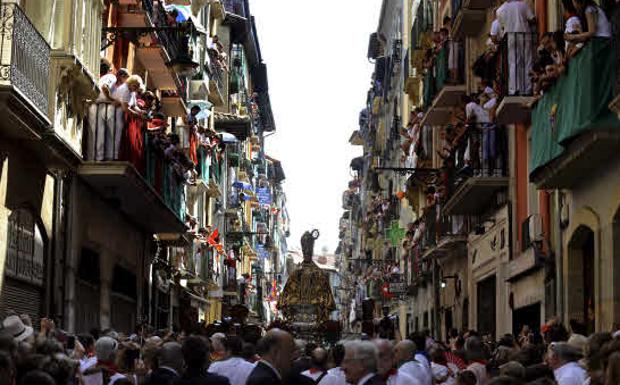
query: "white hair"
365, 352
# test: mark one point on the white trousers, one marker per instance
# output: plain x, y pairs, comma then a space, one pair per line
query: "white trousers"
106, 123
519, 63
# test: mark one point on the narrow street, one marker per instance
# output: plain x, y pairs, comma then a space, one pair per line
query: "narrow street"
374, 192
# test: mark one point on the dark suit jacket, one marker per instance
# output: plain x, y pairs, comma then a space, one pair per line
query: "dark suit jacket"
376, 380
263, 375
201, 377
160, 377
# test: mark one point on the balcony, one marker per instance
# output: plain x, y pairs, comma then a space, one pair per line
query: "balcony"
132, 14
172, 104
516, 54
531, 257
443, 235
239, 126
216, 81
469, 17
24, 79
479, 172
443, 85
143, 184
574, 132
235, 7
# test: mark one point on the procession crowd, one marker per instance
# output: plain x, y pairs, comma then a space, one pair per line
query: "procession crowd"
51, 356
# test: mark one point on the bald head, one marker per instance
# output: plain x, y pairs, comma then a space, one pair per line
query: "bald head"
277, 347
171, 355
404, 351
319, 358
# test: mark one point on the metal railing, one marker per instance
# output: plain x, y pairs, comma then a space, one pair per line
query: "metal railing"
24, 56
516, 57
481, 152
174, 40
235, 6
216, 72
448, 68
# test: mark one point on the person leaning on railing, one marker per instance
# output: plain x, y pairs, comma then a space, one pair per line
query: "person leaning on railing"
105, 127
594, 22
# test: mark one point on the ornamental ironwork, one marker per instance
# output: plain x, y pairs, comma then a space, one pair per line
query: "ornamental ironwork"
27, 66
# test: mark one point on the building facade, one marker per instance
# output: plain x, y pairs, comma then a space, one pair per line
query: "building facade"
166, 211
481, 202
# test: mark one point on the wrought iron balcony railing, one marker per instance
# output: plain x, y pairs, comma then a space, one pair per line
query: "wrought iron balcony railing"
235, 7
516, 57
24, 56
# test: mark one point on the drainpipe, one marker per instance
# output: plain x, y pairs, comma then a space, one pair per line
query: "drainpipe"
559, 258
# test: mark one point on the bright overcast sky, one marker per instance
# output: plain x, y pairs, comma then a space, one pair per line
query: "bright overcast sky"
315, 53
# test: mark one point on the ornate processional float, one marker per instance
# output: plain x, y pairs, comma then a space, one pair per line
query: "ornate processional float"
307, 298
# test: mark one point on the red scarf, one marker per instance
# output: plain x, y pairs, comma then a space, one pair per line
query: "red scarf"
389, 374
109, 367
315, 370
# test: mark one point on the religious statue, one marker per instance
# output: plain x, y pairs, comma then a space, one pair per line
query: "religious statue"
307, 295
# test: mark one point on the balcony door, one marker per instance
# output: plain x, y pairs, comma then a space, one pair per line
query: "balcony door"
581, 281
486, 294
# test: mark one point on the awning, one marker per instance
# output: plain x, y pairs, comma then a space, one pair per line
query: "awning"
185, 14
228, 137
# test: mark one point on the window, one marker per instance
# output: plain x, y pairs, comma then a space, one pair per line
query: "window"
25, 254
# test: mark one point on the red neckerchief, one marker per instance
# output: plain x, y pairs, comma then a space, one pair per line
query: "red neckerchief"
481, 362
315, 370
389, 374
108, 366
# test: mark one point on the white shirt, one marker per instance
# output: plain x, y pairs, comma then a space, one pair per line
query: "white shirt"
573, 24
87, 362
335, 376
365, 379
570, 374
473, 109
122, 93
236, 369
107, 80
496, 28
115, 378
417, 370
441, 372
515, 16
603, 27
421, 358
401, 378
314, 376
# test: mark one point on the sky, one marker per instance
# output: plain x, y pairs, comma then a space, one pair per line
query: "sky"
319, 75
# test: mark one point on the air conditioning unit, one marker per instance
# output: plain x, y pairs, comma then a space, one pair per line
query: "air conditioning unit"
535, 228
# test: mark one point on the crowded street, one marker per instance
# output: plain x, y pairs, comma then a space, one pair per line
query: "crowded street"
374, 192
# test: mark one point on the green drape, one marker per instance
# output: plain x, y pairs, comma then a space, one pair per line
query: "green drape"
578, 102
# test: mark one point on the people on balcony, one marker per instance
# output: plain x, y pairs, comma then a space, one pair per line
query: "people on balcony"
135, 114
573, 27
594, 22
550, 62
516, 20
106, 120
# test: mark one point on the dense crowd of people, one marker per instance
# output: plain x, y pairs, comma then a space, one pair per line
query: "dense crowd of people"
51, 356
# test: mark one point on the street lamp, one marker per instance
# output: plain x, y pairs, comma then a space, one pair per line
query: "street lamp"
443, 284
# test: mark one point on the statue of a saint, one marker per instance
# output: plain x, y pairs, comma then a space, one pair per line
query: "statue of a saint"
307, 288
